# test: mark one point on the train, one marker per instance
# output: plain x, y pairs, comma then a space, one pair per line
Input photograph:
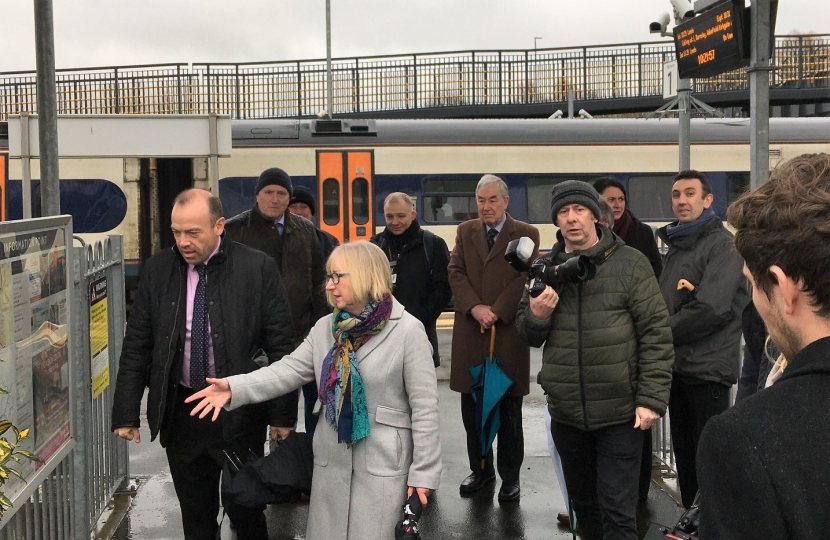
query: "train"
352, 165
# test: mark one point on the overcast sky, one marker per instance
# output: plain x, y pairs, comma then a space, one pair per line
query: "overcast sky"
92, 33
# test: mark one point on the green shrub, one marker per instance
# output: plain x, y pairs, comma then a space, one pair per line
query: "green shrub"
10, 454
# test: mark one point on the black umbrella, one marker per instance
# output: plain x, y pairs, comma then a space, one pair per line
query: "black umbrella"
408, 528
281, 476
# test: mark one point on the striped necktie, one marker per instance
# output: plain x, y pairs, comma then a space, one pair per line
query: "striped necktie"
491, 237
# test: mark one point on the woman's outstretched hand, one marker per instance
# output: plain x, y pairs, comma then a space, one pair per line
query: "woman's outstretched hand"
213, 397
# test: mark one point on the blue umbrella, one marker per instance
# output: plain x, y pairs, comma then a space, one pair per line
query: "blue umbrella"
491, 384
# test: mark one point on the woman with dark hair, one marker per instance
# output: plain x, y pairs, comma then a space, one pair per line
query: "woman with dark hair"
634, 232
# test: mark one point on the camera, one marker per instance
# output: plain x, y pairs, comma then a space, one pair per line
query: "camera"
543, 272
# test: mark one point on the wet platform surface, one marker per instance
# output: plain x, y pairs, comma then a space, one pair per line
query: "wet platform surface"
154, 512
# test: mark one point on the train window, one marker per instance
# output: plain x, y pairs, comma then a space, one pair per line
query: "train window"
449, 208
538, 196
96, 205
649, 197
450, 186
737, 184
360, 201
331, 201
449, 200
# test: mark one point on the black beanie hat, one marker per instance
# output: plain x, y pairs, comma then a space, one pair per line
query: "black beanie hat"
601, 184
574, 192
303, 195
274, 177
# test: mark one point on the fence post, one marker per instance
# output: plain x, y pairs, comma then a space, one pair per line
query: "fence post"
415, 78
639, 70
584, 73
527, 82
500, 79
207, 85
179, 87
117, 311
117, 91
238, 114
81, 370
473, 78
356, 85
800, 62
299, 92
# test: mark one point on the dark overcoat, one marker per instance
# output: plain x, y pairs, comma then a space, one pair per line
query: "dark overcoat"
299, 259
762, 465
479, 275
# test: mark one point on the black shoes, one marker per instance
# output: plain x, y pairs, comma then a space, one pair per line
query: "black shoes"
509, 491
476, 481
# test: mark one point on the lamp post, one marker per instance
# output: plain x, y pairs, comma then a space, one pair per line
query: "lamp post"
47, 109
329, 81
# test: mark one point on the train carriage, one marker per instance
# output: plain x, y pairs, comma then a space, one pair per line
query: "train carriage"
353, 164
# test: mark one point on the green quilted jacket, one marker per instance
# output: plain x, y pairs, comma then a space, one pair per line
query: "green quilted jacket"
607, 345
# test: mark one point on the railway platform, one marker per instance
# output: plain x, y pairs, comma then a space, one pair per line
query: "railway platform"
151, 512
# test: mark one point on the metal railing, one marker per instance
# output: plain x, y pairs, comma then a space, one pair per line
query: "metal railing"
73, 497
293, 89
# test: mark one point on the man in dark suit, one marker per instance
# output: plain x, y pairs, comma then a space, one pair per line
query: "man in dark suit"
204, 308
487, 291
762, 465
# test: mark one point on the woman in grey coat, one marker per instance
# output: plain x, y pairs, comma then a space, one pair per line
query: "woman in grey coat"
378, 396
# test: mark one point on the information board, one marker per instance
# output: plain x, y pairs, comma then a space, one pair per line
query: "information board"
34, 342
712, 43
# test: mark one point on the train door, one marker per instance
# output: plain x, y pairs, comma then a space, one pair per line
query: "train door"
160, 181
345, 182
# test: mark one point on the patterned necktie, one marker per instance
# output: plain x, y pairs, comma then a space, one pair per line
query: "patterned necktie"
491, 237
199, 333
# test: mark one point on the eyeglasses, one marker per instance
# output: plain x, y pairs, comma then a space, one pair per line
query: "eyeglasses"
335, 277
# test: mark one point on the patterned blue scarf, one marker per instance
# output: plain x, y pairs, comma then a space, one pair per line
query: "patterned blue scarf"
341, 386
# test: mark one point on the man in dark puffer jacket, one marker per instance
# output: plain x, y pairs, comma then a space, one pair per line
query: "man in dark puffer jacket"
606, 365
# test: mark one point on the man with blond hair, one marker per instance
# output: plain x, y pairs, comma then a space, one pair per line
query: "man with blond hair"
418, 260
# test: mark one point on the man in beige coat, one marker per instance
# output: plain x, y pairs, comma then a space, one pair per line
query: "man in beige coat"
487, 291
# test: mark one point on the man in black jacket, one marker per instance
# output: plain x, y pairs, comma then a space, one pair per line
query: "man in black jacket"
292, 242
762, 466
204, 308
418, 260
706, 294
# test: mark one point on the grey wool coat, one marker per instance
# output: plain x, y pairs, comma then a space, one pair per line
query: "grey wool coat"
357, 493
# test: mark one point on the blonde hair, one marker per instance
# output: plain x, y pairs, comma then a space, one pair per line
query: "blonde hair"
368, 268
